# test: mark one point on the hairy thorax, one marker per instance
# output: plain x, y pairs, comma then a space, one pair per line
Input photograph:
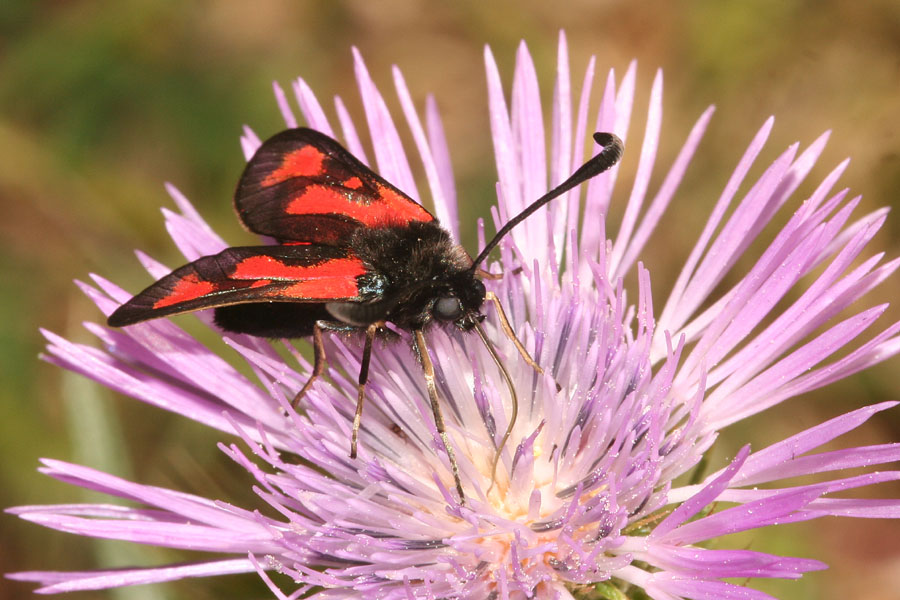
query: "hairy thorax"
412, 266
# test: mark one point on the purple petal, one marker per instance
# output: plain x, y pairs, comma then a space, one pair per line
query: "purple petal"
55, 582
682, 303
701, 499
561, 143
437, 141
350, 136
666, 191
389, 153
431, 172
758, 394
641, 178
715, 564
286, 113
310, 108
504, 146
686, 587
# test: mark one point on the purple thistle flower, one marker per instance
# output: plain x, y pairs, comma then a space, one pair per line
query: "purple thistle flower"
584, 497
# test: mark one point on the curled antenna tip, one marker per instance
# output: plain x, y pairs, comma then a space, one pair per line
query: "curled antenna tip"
600, 162
613, 147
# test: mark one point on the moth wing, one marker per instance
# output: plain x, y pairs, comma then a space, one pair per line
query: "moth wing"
301, 185
289, 273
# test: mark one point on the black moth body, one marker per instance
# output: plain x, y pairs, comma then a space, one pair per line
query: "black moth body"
415, 275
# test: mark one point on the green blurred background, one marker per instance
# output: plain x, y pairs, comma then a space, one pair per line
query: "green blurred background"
102, 101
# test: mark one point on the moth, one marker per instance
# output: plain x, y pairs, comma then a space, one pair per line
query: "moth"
352, 253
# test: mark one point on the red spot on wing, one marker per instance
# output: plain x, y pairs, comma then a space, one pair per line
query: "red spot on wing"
337, 287
305, 162
388, 207
320, 199
334, 278
188, 288
267, 267
354, 183
401, 206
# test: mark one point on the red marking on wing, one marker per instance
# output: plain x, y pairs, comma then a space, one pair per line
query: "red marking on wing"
388, 208
399, 205
305, 162
354, 183
326, 288
189, 288
267, 267
319, 199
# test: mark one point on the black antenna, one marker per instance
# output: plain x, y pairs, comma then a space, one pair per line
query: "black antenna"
609, 156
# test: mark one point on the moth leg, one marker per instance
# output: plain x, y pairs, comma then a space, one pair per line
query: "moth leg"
507, 329
513, 397
319, 358
371, 330
488, 275
428, 367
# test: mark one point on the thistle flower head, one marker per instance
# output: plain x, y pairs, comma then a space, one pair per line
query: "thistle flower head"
584, 497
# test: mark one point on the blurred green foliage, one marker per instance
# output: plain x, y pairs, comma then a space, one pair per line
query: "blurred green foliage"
103, 101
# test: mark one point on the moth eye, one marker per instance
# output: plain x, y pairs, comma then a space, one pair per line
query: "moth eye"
447, 308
